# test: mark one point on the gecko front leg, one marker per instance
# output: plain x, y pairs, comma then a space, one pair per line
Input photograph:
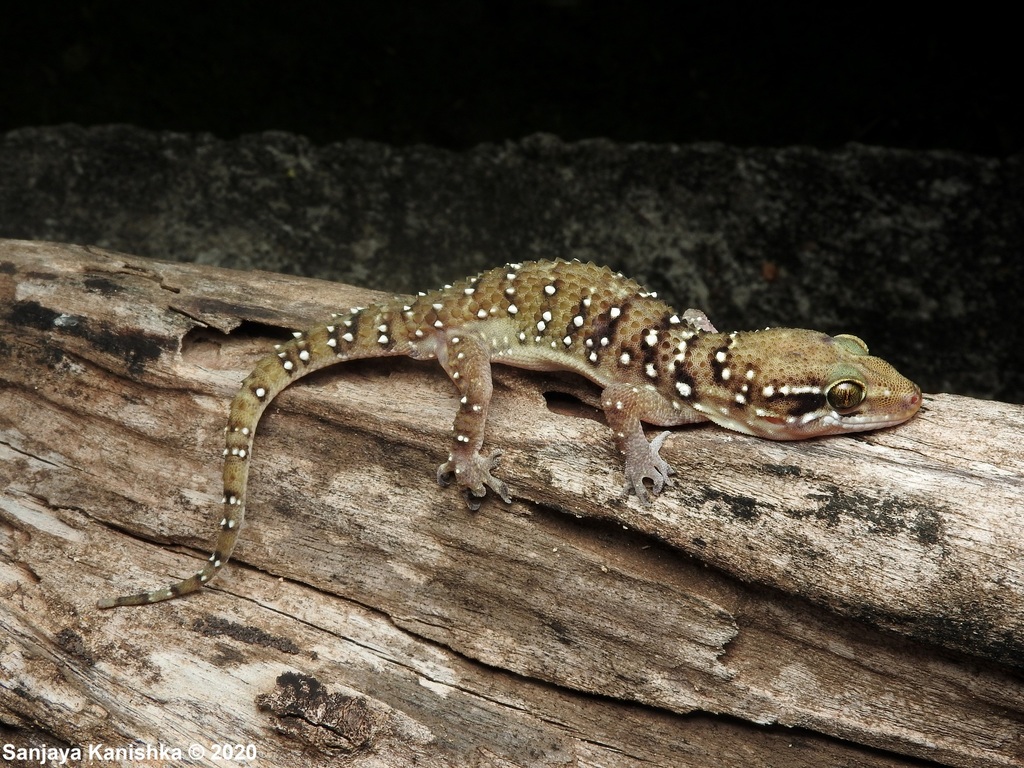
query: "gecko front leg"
625, 406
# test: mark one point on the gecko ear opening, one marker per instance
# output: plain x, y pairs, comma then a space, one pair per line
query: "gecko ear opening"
852, 344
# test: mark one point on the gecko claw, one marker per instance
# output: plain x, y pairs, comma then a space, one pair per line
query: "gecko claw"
474, 475
649, 466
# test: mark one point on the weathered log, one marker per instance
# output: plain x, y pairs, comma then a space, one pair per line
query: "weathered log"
868, 591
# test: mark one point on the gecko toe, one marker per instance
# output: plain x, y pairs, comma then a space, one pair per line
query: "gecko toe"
473, 473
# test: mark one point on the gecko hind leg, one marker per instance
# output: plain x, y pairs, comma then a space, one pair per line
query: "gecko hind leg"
474, 475
467, 361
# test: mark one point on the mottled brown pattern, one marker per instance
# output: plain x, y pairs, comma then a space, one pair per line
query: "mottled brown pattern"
653, 366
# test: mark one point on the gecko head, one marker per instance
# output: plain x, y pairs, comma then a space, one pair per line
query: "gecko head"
791, 384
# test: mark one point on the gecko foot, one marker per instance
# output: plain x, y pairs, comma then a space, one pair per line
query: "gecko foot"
474, 475
648, 465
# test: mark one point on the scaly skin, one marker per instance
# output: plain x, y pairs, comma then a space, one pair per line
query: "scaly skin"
653, 366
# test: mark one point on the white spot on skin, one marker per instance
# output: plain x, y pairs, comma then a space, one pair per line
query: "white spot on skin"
549, 290
260, 392
541, 326
683, 388
304, 356
652, 371
624, 358
651, 338
721, 356
567, 341
297, 334
614, 312
750, 374
418, 333
438, 324
510, 291
512, 309
348, 337
547, 317
726, 373
592, 357
469, 291
578, 321
586, 301
382, 339
287, 365
768, 391
438, 306
786, 389
481, 313
332, 342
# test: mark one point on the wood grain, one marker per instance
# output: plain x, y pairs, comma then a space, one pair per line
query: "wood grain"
849, 601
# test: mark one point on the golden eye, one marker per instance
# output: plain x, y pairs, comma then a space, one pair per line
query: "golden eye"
845, 395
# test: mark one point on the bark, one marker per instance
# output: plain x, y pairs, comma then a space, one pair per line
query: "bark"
850, 601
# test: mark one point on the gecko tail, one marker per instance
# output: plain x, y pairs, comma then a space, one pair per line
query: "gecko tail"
192, 584
230, 525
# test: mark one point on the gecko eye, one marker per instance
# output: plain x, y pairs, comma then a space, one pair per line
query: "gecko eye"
845, 395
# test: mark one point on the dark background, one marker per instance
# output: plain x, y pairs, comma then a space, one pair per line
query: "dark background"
459, 72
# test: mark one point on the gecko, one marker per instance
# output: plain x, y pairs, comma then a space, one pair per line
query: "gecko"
652, 364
